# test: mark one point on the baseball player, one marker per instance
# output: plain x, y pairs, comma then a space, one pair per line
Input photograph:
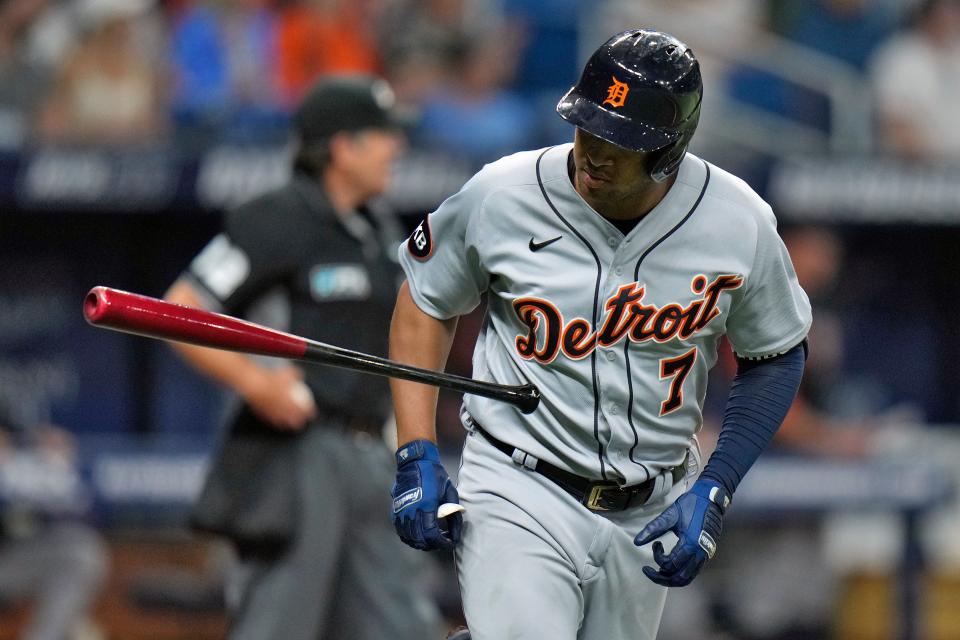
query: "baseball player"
612, 267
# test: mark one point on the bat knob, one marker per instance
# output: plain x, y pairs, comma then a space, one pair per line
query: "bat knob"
529, 399
95, 304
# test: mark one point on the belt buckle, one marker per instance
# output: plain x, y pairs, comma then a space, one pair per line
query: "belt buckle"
592, 499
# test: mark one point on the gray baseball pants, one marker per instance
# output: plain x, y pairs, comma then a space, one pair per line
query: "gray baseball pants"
534, 563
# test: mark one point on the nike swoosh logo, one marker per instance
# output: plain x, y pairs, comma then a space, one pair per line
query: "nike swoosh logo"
536, 246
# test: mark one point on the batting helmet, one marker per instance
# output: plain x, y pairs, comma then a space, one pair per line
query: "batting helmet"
640, 90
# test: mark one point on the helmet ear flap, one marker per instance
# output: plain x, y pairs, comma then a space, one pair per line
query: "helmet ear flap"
664, 162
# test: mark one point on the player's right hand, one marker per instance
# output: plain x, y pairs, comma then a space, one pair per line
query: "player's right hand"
279, 397
422, 485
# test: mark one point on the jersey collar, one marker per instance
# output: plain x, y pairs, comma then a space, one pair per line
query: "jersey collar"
676, 204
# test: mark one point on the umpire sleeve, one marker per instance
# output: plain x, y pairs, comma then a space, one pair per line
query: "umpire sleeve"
247, 258
773, 315
442, 258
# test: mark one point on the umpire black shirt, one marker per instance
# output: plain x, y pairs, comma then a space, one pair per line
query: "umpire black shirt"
334, 278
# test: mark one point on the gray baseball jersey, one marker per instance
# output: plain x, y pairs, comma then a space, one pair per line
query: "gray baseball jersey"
618, 332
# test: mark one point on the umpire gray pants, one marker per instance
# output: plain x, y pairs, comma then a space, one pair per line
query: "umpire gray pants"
346, 574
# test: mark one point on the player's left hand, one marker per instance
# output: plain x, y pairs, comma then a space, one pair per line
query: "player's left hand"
422, 485
697, 520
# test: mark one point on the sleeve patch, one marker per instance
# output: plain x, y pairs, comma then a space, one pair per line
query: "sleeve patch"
420, 244
222, 267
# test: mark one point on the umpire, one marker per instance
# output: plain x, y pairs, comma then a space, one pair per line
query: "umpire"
298, 483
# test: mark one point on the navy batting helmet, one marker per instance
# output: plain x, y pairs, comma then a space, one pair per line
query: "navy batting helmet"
640, 90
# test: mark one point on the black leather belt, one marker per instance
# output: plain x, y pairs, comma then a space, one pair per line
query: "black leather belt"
596, 496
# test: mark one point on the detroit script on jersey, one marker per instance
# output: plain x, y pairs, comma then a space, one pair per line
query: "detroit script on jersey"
626, 317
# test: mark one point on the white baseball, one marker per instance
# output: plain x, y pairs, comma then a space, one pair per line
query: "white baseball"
448, 509
301, 394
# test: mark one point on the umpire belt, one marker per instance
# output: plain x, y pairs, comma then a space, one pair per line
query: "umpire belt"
331, 418
596, 496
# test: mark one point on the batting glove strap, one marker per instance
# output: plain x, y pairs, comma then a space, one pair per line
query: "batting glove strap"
417, 450
712, 492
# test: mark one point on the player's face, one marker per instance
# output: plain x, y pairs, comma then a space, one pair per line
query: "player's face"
369, 159
607, 176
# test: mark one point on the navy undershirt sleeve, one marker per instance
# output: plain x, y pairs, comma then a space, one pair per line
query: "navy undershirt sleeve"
760, 396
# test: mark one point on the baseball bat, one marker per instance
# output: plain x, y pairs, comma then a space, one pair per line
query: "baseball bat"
153, 318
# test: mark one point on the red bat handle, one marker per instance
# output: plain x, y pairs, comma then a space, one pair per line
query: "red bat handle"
145, 316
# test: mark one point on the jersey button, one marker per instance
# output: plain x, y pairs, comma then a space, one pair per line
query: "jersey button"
613, 410
619, 271
612, 242
611, 355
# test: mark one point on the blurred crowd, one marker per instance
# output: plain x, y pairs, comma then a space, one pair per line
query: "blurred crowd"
482, 74
105, 72
907, 51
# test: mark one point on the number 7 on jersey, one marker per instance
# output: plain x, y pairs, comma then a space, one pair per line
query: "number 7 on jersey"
678, 368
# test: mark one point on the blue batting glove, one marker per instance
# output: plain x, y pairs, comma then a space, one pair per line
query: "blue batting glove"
422, 485
697, 520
